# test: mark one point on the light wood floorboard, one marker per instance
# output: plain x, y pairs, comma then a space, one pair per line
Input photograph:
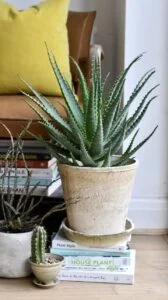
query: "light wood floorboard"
151, 279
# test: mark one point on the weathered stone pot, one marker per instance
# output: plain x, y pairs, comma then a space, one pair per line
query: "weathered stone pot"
15, 250
97, 199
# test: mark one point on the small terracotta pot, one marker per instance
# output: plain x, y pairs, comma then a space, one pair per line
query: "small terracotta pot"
47, 273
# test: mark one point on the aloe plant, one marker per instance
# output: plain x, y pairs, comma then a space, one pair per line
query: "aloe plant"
96, 127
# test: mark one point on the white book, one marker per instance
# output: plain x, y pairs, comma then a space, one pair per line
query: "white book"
106, 276
112, 263
50, 172
60, 241
96, 276
54, 190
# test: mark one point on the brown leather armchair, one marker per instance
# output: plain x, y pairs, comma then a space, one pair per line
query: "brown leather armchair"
14, 111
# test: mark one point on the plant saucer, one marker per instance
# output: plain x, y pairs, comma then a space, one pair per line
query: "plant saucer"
98, 241
45, 286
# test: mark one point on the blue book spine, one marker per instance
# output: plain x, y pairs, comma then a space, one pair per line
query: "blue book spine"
22, 181
76, 252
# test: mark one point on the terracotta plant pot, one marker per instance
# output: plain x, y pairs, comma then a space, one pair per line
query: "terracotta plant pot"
15, 250
47, 273
97, 199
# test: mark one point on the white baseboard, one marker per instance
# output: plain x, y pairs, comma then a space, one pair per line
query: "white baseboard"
149, 214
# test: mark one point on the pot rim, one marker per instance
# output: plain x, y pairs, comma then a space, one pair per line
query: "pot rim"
16, 233
128, 167
60, 261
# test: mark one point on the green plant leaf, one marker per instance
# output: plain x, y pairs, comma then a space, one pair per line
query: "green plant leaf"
118, 141
133, 122
83, 84
111, 113
85, 157
61, 138
91, 123
125, 110
107, 160
137, 89
126, 156
120, 82
47, 107
66, 90
131, 143
98, 140
54, 151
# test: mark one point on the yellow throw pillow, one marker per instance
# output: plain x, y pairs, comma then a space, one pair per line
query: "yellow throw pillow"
22, 46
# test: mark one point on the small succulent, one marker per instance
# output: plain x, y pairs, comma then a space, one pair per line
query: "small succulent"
96, 127
38, 245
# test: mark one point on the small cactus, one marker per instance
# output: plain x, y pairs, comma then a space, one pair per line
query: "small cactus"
38, 245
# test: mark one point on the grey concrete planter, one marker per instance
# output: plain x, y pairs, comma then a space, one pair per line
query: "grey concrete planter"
15, 250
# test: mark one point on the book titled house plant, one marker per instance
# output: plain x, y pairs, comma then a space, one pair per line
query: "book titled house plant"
18, 219
95, 177
45, 266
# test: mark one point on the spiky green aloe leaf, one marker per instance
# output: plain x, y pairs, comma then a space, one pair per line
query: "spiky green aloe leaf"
97, 146
127, 155
60, 138
91, 123
85, 157
58, 153
107, 160
133, 123
111, 112
47, 107
78, 132
83, 84
119, 116
138, 89
125, 110
116, 131
67, 92
103, 85
131, 142
142, 104
119, 82
118, 141
109, 119
99, 84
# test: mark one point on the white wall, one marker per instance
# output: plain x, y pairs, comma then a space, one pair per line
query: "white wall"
147, 30
19, 4
77, 5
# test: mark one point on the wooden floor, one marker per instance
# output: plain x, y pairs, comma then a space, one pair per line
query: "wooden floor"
151, 279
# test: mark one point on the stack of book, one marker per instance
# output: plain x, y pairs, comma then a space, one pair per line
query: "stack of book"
111, 265
42, 167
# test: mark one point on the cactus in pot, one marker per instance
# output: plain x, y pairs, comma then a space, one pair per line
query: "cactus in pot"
38, 245
87, 144
45, 266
